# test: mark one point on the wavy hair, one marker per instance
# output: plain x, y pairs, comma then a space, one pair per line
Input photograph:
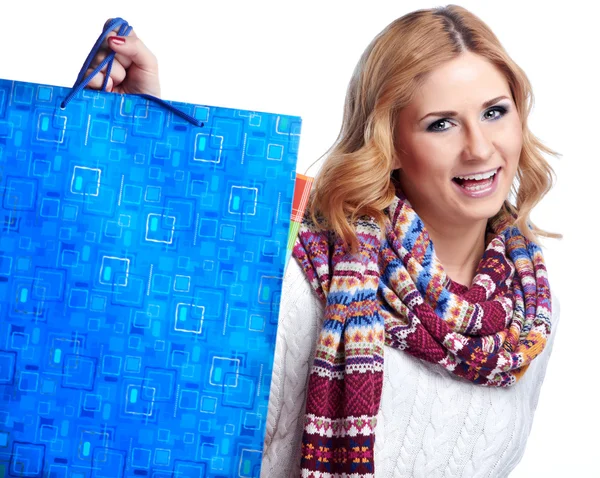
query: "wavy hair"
355, 179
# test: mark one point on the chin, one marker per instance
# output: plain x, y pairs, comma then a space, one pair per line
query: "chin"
473, 211
481, 207
486, 214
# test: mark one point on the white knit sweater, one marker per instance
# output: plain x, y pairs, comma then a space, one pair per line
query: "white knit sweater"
430, 423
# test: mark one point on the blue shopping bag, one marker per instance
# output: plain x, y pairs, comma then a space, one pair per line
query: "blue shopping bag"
142, 251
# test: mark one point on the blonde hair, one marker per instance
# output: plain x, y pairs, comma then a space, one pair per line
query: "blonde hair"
355, 179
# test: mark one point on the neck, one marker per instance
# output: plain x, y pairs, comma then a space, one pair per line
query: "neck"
459, 249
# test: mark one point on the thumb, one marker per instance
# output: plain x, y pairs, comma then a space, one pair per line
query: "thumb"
132, 50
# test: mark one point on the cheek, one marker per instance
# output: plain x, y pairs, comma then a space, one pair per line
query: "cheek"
512, 141
430, 157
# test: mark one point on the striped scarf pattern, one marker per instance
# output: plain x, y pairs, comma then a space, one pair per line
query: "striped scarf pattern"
394, 291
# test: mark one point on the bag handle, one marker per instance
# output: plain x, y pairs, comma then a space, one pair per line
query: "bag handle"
82, 81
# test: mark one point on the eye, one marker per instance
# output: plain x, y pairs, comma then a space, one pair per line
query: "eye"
438, 125
495, 113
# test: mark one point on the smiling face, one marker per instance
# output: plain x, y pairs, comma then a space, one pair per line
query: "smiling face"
462, 123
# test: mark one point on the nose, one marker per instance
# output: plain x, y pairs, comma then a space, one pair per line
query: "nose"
478, 143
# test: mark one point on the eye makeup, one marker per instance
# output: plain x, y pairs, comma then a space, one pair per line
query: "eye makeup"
501, 109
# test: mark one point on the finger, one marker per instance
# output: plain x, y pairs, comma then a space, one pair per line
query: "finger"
99, 58
133, 48
106, 23
115, 29
121, 58
96, 82
110, 86
124, 60
118, 70
117, 75
115, 32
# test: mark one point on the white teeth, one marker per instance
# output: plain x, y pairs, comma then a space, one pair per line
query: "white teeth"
479, 177
479, 187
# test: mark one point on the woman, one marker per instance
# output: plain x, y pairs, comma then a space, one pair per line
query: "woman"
434, 149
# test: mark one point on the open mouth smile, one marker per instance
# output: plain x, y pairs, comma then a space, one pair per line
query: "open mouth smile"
479, 184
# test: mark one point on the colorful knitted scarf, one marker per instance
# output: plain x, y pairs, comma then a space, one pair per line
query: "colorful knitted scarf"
394, 291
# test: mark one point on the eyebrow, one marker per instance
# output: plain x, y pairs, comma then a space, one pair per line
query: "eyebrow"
454, 113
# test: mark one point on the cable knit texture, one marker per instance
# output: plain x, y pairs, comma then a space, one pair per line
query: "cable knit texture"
393, 290
430, 423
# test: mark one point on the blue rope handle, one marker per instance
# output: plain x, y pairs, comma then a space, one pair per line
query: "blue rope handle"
82, 81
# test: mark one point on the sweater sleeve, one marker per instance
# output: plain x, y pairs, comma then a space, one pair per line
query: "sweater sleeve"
300, 320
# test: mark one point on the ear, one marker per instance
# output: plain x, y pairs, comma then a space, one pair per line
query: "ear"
396, 163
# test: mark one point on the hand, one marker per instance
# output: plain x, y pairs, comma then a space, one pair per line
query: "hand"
134, 69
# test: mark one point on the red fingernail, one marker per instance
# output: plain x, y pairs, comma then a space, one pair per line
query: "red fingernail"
117, 40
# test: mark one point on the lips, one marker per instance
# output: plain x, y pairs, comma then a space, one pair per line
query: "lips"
476, 179
477, 185
477, 188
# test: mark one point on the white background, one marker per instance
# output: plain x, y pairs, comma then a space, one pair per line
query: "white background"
297, 57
